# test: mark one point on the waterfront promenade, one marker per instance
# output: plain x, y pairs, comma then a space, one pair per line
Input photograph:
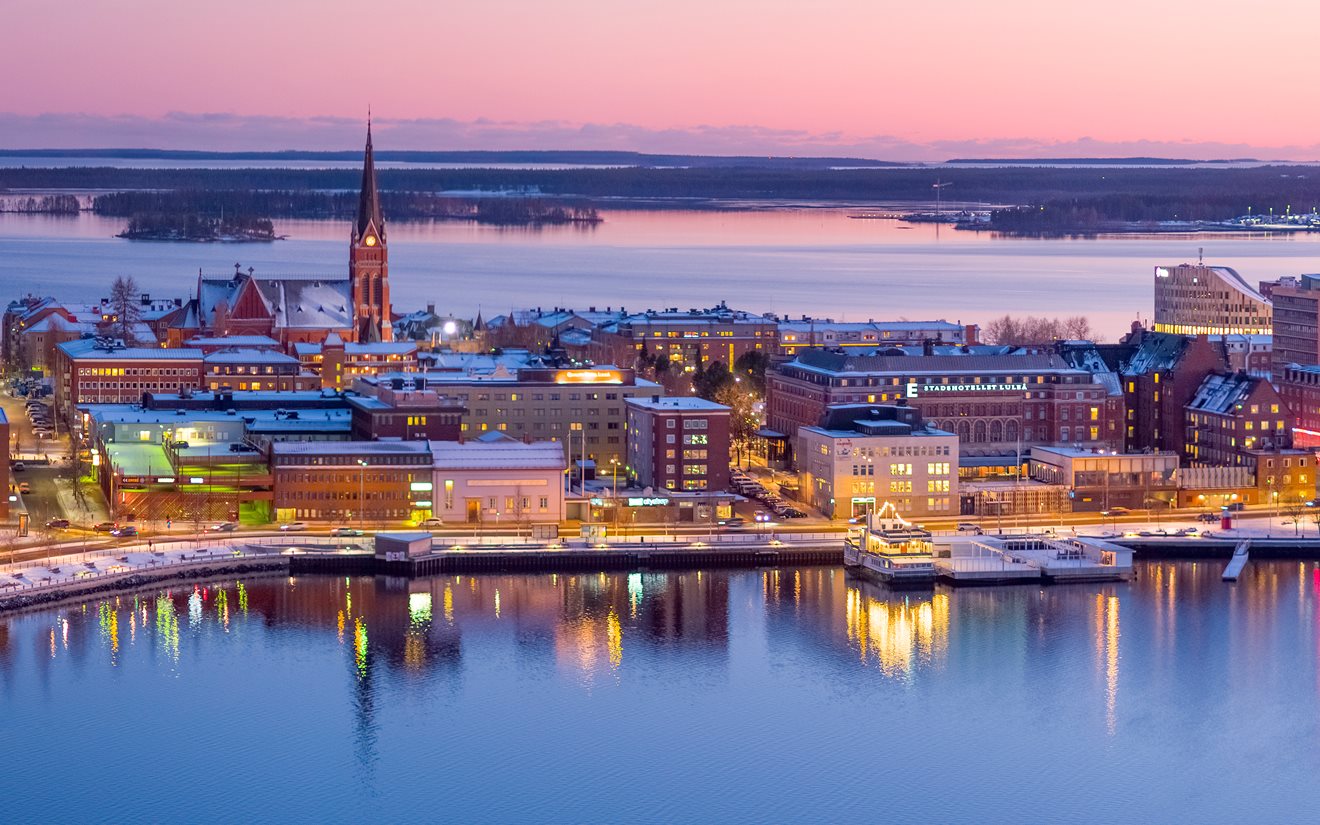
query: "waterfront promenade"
71, 571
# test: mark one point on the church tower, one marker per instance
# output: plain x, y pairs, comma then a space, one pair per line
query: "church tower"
368, 261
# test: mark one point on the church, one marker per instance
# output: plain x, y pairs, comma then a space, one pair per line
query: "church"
303, 309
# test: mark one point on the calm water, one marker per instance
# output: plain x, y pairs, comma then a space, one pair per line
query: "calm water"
746, 696
815, 261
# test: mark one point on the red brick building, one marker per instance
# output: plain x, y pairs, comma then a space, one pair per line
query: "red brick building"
1232, 417
1000, 401
344, 481
678, 443
1161, 374
399, 410
89, 371
1299, 387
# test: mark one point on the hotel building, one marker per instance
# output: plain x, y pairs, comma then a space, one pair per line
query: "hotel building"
999, 401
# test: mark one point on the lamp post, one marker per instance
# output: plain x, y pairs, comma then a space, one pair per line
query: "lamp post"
362, 493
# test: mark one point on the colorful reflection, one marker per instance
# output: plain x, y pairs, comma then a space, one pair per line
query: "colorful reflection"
895, 631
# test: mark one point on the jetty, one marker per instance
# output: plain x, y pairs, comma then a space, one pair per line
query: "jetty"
1031, 559
1238, 561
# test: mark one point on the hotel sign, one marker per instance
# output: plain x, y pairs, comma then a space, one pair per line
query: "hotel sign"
588, 377
913, 388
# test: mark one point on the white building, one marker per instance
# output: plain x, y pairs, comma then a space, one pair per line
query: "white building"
498, 480
863, 455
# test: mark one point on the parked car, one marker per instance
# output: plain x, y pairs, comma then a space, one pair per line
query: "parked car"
1236, 507
345, 531
124, 532
294, 526
431, 522
18, 467
58, 523
43, 433
224, 527
793, 512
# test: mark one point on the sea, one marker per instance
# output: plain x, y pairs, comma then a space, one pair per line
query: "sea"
793, 695
817, 260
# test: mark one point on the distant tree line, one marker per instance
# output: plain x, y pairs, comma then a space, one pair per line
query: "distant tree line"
1103, 211
1165, 191
213, 204
46, 204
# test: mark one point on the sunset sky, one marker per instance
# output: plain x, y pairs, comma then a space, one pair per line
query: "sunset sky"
904, 80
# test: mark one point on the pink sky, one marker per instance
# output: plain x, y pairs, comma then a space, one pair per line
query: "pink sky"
903, 79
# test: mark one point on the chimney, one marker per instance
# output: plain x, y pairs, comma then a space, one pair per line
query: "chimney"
430, 307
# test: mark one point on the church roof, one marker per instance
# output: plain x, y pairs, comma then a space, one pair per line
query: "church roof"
308, 303
369, 198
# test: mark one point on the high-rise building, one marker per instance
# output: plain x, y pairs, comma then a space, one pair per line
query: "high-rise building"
1195, 299
1296, 323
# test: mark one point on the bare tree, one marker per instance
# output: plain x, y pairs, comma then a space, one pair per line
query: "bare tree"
1294, 510
126, 307
1034, 330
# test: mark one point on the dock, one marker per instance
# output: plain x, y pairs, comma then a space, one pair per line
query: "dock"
1028, 559
1238, 562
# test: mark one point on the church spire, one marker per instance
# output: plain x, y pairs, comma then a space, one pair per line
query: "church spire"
369, 200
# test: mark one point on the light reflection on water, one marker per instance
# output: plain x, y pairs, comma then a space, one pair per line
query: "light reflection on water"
685, 696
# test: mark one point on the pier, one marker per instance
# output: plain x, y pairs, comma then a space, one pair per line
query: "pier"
1238, 562
1028, 559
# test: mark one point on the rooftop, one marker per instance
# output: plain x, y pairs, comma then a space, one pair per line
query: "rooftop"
498, 454
91, 349
679, 403
363, 448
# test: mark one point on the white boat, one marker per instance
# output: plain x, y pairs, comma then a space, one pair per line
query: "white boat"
890, 550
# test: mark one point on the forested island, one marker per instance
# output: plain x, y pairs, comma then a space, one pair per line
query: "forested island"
176, 226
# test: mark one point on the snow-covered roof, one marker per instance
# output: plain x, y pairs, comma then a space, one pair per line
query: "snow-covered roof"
244, 355
680, 403
92, 350
502, 454
234, 341
363, 448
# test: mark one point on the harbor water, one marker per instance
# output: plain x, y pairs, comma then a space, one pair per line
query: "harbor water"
789, 695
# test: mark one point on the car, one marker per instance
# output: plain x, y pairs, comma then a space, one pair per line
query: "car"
294, 526
734, 523
431, 522
124, 532
967, 527
345, 531
24, 487
43, 433
18, 467
58, 523
1236, 507
224, 527
1116, 511
793, 512
1145, 534
1207, 518
104, 527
